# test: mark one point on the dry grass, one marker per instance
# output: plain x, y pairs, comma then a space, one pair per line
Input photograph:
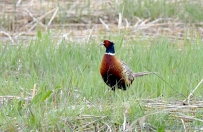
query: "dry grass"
22, 18
176, 109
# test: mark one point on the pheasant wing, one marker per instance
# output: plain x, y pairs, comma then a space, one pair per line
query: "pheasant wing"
127, 73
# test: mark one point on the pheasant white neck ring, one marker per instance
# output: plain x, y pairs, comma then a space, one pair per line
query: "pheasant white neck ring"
110, 53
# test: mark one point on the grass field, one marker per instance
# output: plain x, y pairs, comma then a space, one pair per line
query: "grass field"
50, 79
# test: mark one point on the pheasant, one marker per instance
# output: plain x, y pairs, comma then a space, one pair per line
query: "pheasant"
114, 72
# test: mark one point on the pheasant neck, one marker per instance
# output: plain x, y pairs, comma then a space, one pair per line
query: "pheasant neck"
110, 50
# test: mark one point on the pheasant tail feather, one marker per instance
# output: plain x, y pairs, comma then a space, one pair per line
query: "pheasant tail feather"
139, 74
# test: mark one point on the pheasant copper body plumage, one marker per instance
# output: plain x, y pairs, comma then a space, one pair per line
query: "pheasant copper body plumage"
114, 72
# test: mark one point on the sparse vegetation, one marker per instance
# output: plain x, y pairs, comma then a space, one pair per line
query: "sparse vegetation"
50, 78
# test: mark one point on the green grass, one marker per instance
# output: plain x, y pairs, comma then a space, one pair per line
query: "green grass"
69, 86
70, 94
185, 11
